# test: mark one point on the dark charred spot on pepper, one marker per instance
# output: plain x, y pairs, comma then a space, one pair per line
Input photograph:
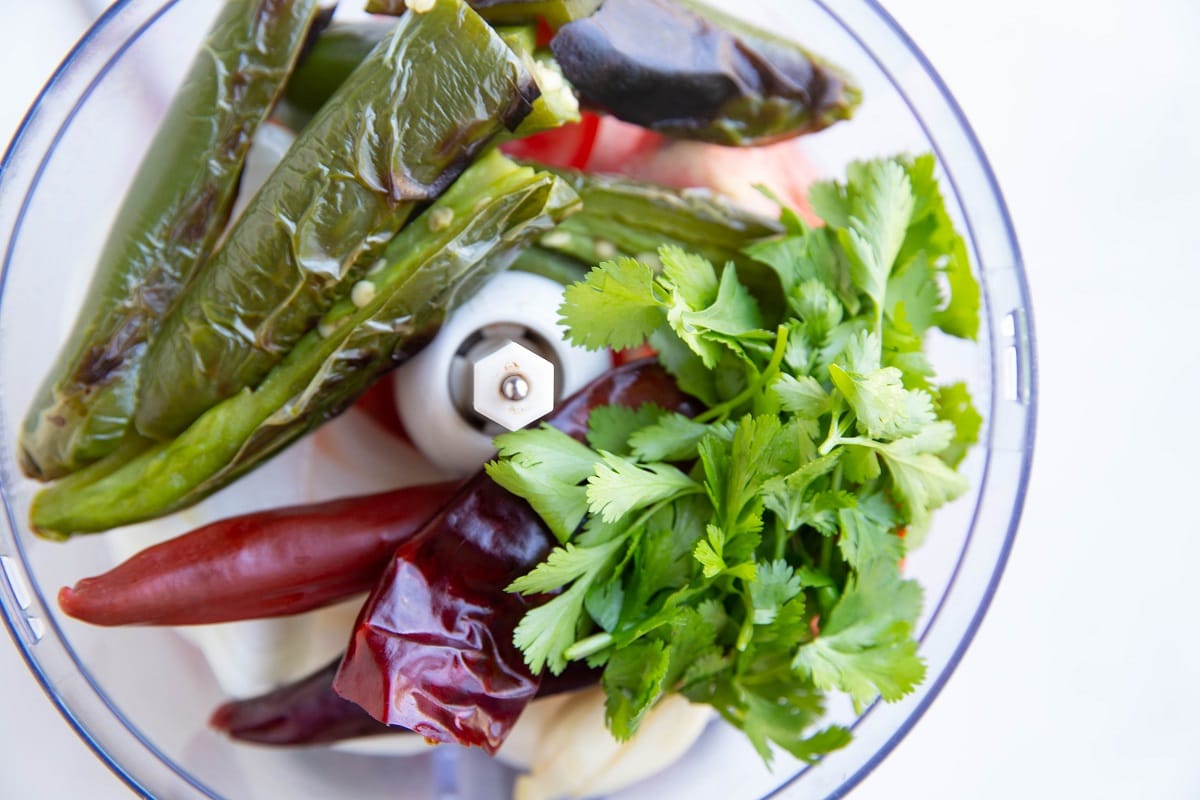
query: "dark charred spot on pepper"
319, 24
103, 361
522, 104
237, 140
193, 222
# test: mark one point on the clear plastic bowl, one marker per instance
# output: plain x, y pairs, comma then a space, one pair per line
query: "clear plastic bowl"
140, 697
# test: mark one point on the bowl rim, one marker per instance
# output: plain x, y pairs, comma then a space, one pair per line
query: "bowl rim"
1030, 399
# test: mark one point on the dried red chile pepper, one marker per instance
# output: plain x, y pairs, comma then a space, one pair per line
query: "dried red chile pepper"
265, 564
308, 711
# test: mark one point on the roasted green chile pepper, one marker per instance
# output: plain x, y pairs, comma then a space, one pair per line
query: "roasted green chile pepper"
474, 230
341, 47
685, 70
620, 216
509, 12
426, 100
173, 213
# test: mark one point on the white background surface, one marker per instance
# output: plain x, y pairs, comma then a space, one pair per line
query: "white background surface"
1082, 680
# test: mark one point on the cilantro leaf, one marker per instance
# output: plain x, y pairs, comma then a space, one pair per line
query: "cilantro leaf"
884, 408
560, 504
913, 288
633, 681
603, 604
672, 437
620, 485
613, 306
867, 532
782, 720
544, 633
932, 235
773, 586
611, 427
878, 206
802, 395
960, 317
815, 304
549, 448
564, 565
866, 648
685, 366
732, 313
955, 406
693, 277
790, 499
923, 480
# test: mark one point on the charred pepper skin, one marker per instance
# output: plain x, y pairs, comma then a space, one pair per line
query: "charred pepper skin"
682, 69
432, 650
259, 565
427, 100
508, 12
168, 223
495, 210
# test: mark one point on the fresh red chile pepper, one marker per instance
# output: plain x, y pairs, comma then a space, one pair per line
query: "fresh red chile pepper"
432, 650
308, 711
265, 564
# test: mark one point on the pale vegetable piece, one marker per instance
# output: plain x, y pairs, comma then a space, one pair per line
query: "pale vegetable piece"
571, 753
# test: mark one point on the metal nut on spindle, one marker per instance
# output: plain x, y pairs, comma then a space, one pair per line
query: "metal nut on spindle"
513, 386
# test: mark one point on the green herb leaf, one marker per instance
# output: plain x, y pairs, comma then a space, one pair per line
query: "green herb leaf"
614, 306
611, 427
561, 505
620, 485
866, 648
955, 406
673, 437
633, 681
884, 408
774, 585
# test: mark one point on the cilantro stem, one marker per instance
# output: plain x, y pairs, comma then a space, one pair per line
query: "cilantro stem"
826, 553
588, 647
769, 373
747, 631
780, 539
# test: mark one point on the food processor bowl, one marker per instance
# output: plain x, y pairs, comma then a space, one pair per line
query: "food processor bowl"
141, 697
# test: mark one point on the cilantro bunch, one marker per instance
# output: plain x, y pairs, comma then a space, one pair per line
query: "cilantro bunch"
750, 557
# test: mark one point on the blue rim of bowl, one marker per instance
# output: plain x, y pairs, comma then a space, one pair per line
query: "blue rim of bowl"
1030, 429
30, 116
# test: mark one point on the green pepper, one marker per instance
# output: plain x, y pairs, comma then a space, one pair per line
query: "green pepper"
632, 218
508, 12
175, 209
688, 71
341, 47
474, 230
421, 106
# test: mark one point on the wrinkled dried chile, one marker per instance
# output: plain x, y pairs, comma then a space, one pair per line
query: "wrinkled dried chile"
308, 711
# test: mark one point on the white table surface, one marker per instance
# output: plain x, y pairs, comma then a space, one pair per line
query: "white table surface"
1082, 680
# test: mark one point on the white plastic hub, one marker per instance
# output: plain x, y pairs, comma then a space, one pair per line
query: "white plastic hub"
513, 386
435, 390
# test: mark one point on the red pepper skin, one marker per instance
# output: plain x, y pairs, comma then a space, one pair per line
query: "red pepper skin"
308, 711
265, 564
432, 650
